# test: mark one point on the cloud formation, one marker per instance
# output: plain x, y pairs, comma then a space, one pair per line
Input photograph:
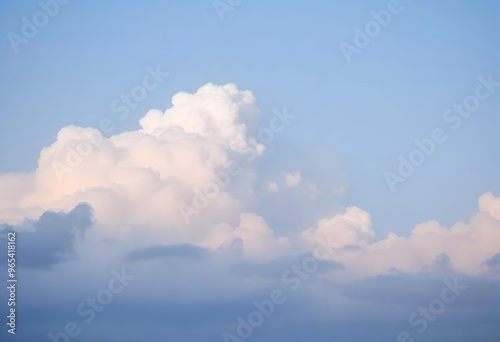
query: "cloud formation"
52, 238
351, 238
134, 182
139, 178
292, 180
273, 187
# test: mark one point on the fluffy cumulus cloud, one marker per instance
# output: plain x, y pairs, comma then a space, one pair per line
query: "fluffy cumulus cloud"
490, 204
346, 231
141, 182
465, 246
139, 178
94, 202
292, 180
253, 235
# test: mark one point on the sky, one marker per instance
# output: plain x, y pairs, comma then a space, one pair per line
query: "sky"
210, 149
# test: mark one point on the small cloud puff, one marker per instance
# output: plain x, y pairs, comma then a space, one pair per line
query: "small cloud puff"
292, 180
273, 187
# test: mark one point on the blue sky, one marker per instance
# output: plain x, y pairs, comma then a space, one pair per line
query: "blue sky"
353, 120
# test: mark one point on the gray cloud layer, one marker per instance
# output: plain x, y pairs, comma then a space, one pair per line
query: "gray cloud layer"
52, 238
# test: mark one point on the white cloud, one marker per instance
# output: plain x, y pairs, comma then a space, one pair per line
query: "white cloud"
273, 187
139, 178
292, 180
350, 229
490, 204
467, 245
136, 180
257, 238
213, 112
